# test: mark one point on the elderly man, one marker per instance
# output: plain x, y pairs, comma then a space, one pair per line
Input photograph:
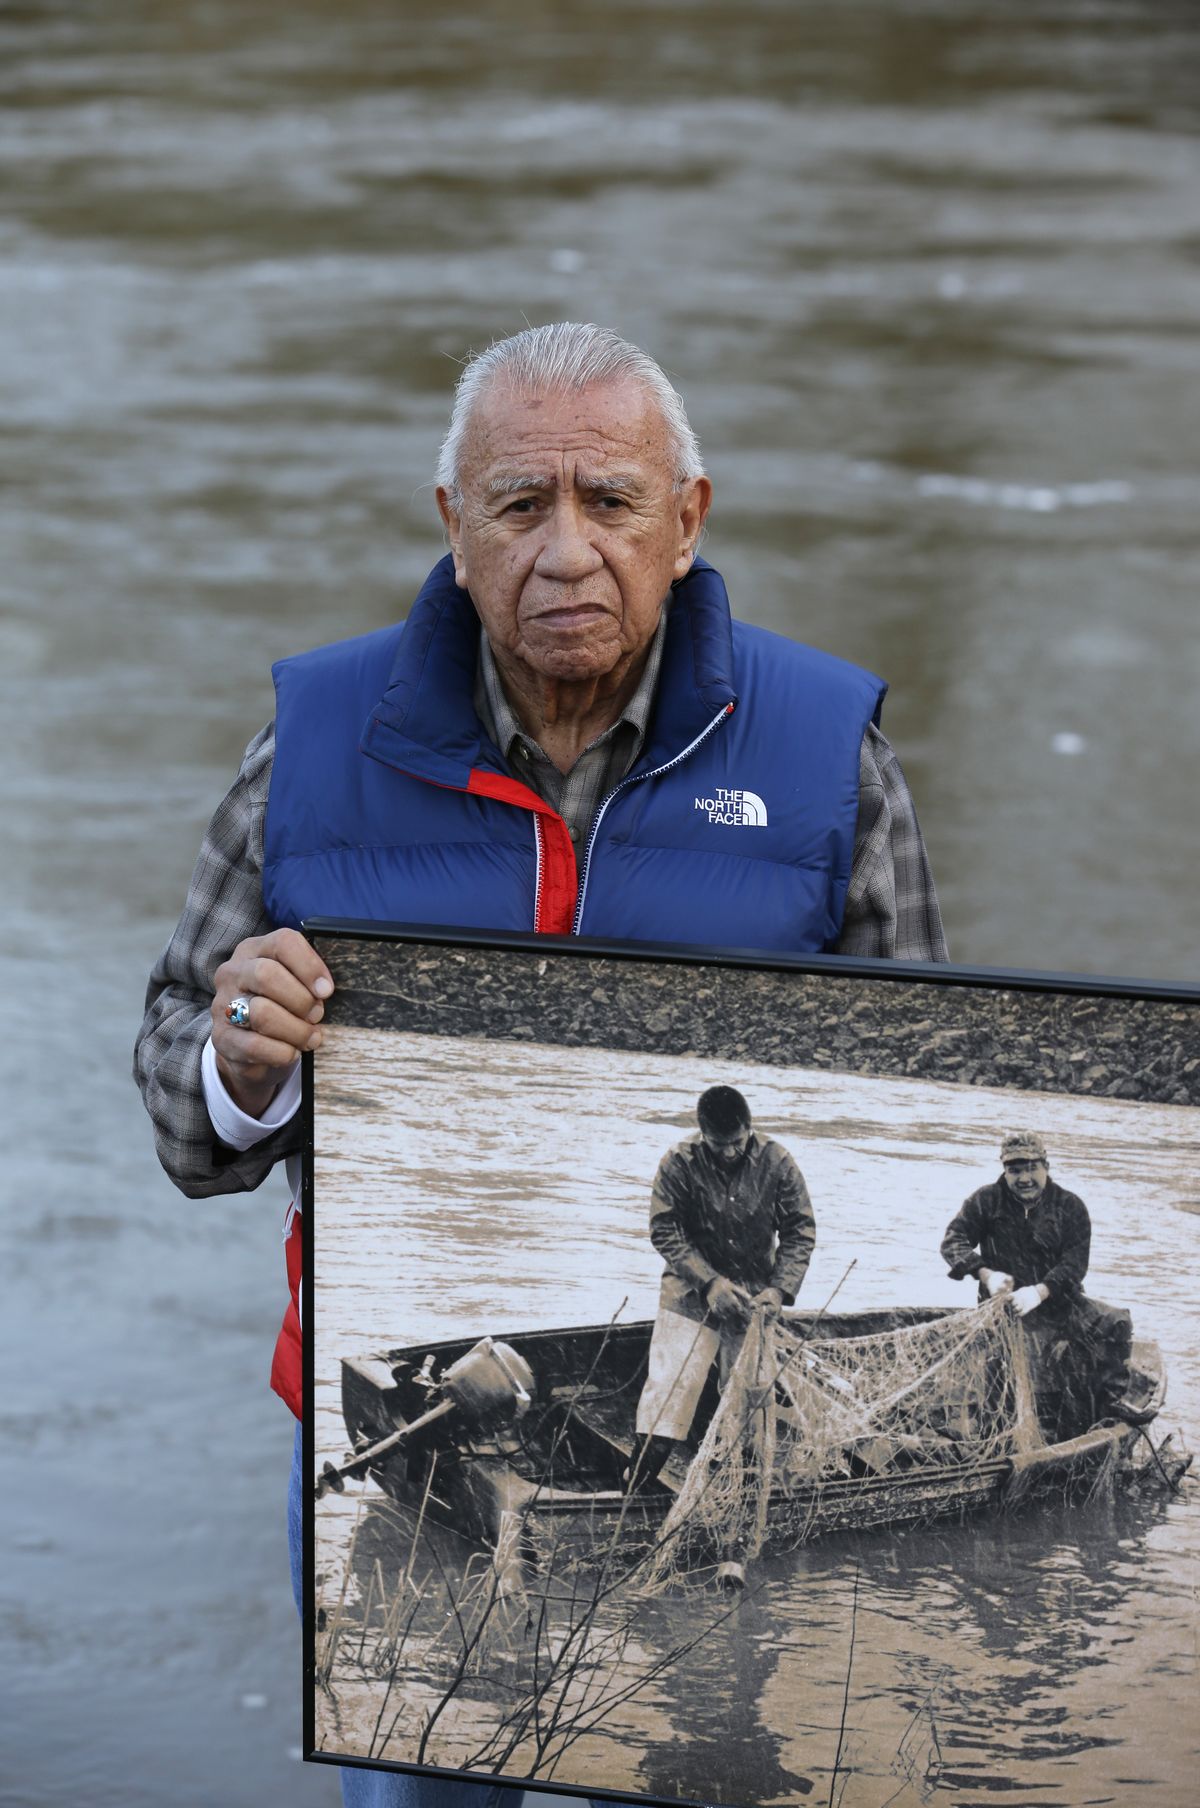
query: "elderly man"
1027, 1236
730, 1216
568, 735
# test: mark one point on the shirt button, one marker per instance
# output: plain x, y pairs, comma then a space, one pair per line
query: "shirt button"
574, 834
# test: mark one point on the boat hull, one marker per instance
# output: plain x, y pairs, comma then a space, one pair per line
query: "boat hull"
555, 1479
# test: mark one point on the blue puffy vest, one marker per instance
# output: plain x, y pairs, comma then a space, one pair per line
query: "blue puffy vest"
735, 827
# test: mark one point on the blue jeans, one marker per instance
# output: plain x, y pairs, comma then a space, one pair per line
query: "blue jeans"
386, 1788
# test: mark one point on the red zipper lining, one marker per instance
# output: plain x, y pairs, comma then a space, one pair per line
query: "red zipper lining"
560, 875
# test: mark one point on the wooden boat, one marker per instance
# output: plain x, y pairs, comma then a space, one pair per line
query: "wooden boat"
557, 1471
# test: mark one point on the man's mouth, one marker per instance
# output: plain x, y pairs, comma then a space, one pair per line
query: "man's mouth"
570, 615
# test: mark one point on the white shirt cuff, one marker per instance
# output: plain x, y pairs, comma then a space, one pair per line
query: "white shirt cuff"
235, 1127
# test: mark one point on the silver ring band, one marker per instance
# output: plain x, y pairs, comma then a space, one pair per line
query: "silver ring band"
238, 1013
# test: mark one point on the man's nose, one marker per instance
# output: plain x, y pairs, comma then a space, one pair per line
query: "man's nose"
567, 553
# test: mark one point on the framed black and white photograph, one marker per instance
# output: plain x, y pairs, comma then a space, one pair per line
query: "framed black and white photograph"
748, 1382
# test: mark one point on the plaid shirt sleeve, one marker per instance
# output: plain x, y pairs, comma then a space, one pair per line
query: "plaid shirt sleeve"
224, 905
891, 905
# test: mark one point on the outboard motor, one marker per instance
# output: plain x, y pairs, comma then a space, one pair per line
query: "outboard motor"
490, 1385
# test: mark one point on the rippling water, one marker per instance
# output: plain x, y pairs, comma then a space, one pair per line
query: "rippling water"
928, 276
1033, 1658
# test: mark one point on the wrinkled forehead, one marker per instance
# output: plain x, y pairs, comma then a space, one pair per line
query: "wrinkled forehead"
609, 429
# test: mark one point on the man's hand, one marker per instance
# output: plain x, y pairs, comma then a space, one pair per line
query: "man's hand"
728, 1301
995, 1281
286, 983
1028, 1299
770, 1299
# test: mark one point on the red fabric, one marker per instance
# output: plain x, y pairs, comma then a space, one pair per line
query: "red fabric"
505, 790
560, 876
287, 1364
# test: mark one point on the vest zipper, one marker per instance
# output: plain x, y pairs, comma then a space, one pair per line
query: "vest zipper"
537, 883
634, 779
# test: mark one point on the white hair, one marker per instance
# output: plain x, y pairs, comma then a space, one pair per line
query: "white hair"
557, 359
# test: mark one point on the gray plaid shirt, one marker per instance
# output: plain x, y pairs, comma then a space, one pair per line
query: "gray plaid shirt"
891, 909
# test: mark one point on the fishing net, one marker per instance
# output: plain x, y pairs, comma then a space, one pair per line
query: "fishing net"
843, 1432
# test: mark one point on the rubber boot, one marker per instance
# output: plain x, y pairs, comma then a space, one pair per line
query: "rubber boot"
646, 1461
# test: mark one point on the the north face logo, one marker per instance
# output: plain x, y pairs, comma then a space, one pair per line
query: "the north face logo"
740, 809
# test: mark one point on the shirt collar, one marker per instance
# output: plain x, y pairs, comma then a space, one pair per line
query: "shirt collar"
500, 719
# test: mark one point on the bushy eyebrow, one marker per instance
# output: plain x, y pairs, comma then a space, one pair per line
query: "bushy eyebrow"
611, 483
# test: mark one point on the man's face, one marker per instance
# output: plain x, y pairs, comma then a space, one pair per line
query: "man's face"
1026, 1178
727, 1149
571, 531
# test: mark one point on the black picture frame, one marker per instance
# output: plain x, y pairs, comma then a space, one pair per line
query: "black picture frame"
1111, 1044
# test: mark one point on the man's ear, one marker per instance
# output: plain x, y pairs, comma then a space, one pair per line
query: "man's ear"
695, 500
453, 519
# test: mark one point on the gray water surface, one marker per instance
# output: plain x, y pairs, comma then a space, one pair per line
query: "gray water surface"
929, 278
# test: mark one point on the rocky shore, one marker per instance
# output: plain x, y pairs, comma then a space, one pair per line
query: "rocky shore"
1098, 1044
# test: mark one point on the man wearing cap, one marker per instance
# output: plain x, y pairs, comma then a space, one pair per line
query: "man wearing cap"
1026, 1236
730, 1216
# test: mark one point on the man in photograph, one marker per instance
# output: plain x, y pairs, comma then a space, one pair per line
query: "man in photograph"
1026, 1237
731, 1217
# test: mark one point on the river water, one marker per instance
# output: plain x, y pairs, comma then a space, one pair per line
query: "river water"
928, 277
1038, 1658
